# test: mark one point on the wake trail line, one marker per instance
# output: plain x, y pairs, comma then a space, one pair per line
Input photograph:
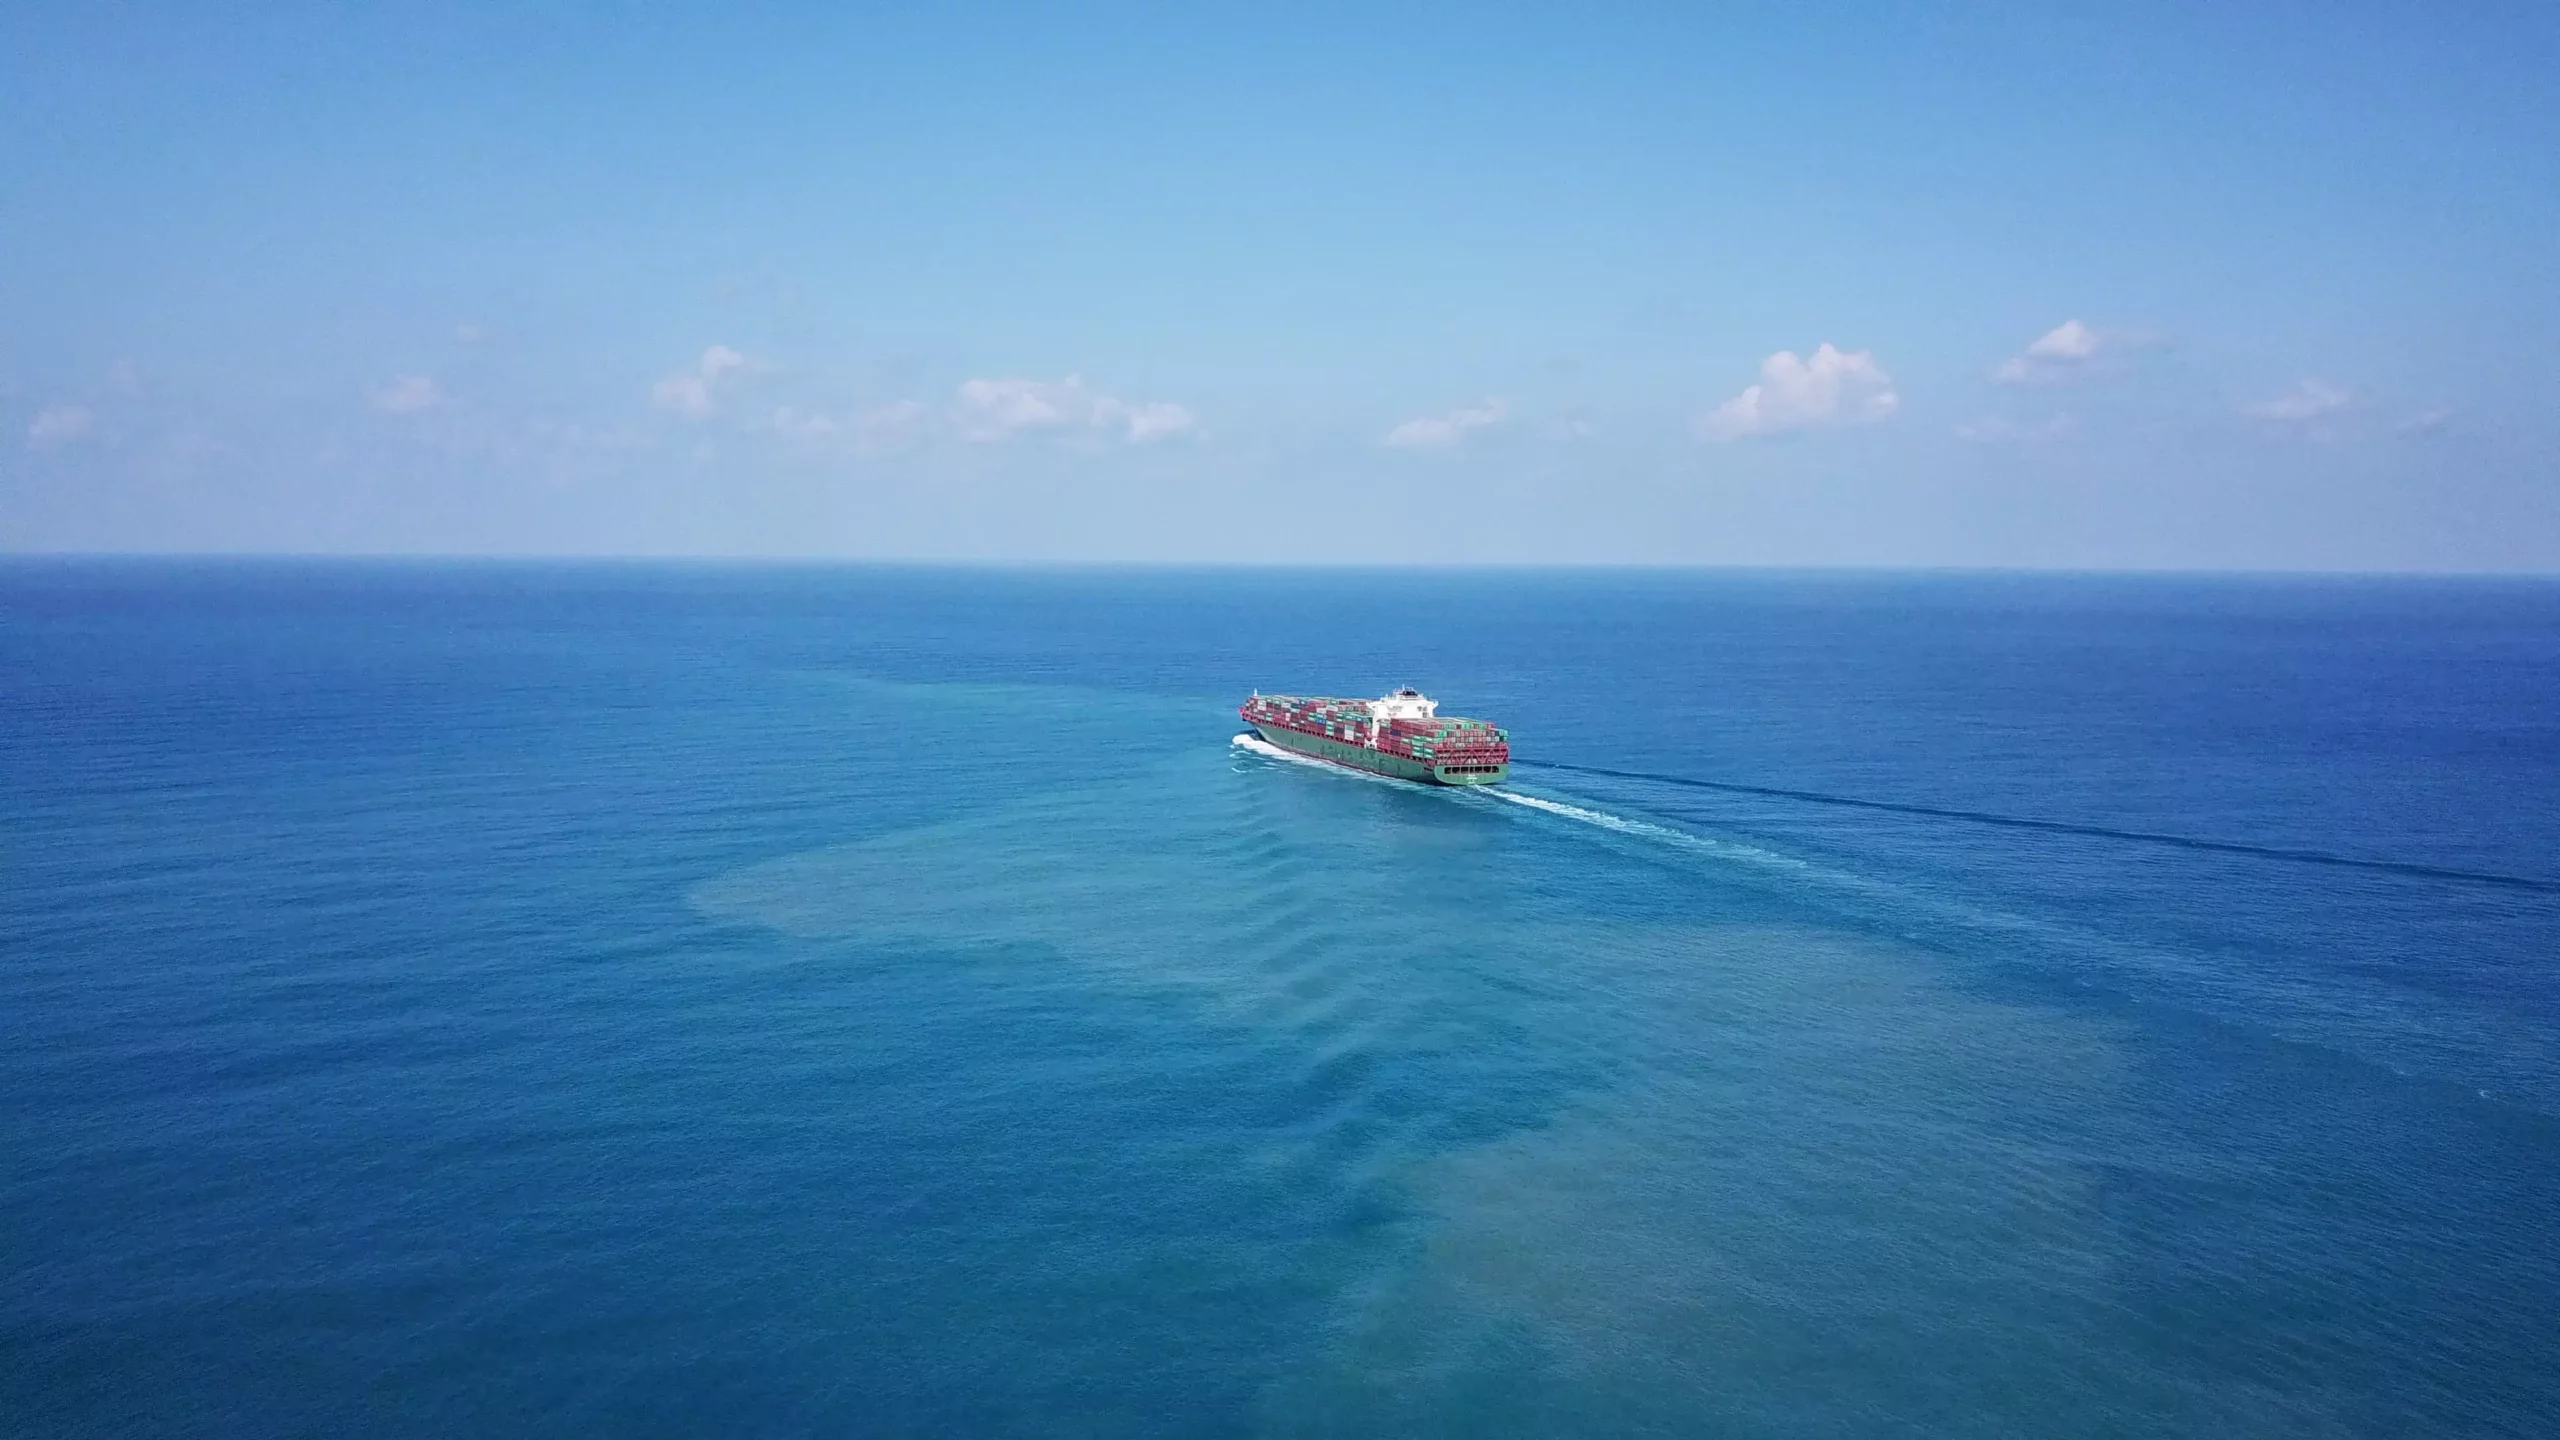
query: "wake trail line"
1722, 849
2064, 827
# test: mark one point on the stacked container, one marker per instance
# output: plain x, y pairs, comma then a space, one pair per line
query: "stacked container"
1431, 742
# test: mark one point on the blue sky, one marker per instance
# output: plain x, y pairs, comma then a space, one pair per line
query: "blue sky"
2216, 286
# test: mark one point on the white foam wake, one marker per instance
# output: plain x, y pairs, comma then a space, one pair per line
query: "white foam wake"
1640, 829
1644, 829
1264, 748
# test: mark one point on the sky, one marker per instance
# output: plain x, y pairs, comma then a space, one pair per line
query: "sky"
2187, 286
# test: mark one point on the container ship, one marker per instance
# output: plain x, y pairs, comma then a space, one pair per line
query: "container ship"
1402, 735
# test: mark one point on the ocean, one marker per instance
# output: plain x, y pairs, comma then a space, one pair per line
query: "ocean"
627, 999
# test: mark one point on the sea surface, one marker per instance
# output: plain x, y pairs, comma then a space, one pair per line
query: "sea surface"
570, 1000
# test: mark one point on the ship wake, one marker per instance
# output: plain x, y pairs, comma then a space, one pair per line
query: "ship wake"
1641, 830
1646, 830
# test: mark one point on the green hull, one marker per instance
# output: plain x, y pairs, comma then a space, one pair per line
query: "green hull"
1378, 762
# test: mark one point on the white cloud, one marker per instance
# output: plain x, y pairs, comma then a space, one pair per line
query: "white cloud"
988, 411
2426, 422
887, 424
869, 428
696, 396
2069, 340
982, 411
409, 395
467, 334
59, 425
2307, 401
1152, 420
2061, 353
1438, 432
1831, 388
802, 423
686, 395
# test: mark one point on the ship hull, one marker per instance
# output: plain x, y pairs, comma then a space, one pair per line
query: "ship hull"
1378, 762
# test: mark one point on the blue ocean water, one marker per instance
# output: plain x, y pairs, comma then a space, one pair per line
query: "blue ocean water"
657, 1000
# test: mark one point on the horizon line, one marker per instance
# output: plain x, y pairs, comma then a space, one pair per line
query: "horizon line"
934, 562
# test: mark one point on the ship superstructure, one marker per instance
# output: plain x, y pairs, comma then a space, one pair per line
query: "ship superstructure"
1402, 734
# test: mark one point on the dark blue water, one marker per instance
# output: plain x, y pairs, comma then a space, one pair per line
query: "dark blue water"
498, 1000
